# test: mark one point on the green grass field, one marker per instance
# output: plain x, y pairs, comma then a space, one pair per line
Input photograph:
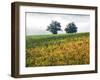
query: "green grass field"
60, 49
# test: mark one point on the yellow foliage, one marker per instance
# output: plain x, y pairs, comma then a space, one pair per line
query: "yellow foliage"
73, 52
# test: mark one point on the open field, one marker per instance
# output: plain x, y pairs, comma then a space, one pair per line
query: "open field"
60, 49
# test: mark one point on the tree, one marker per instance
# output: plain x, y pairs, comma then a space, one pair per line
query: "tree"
71, 28
54, 27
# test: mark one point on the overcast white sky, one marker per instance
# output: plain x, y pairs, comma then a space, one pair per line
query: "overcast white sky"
36, 23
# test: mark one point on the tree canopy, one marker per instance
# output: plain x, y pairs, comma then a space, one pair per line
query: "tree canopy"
71, 28
54, 27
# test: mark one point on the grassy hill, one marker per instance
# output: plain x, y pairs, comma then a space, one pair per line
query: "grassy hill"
60, 49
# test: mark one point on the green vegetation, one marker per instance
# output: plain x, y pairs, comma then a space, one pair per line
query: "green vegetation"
71, 28
60, 49
54, 27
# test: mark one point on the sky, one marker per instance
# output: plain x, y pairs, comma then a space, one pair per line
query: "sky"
36, 23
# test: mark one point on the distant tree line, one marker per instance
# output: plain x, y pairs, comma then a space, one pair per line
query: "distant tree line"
55, 26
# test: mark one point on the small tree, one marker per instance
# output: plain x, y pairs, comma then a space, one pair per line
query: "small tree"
54, 27
71, 28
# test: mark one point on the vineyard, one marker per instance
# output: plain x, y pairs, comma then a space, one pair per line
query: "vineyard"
56, 50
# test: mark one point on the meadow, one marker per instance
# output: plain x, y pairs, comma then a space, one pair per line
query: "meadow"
56, 50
